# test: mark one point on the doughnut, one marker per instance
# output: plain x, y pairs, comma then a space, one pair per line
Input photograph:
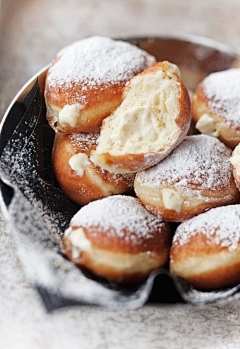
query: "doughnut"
206, 249
216, 106
86, 80
77, 176
152, 120
118, 239
195, 177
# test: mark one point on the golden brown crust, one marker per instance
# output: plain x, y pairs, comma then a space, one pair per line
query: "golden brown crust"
123, 276
223, 266
119, 244
95, 182
197, 246
99, 104
185, 109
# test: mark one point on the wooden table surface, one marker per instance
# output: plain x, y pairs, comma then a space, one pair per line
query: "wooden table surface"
31, 33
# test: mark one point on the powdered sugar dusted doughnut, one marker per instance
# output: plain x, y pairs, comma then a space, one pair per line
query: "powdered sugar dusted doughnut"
206, 249
117, 238
152, 120
216, 106
195, 177
86, 80
77, 176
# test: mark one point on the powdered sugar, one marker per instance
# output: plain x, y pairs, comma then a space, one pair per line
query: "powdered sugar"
117, 213
222, 91
83, 140
95, 61
220, 225
200, 160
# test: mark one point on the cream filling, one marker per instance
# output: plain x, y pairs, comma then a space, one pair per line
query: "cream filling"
53, 112
78, 163
77, 242
172, 200
208, 125
235, 160
69, 114
145, 121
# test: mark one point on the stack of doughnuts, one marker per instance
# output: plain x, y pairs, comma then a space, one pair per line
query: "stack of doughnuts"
122, 126
83, 85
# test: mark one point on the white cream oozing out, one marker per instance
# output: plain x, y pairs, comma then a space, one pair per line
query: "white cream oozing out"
69, 114
172, 200
78, 163
77, 241
235, 160
208, 125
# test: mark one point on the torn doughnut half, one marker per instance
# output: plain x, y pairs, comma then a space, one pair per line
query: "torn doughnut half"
152, 120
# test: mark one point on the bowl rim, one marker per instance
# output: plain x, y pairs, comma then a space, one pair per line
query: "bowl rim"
184, 38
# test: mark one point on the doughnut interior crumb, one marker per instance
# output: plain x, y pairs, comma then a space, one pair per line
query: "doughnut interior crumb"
145, 122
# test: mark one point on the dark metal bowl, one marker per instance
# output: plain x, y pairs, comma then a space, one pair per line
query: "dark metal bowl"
196, 58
